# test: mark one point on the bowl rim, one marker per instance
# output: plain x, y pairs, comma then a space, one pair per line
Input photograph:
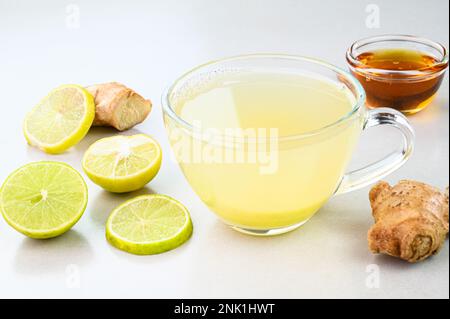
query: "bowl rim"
440, 66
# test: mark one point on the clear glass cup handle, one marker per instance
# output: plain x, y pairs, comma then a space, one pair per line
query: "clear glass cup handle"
374, 172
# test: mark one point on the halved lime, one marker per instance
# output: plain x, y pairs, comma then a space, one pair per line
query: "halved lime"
148, 225
43, 199
123, 164
60, 120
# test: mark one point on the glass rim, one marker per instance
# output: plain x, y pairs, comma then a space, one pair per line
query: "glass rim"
360, 94
440, 66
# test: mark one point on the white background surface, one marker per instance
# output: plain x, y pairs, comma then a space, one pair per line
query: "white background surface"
146, 44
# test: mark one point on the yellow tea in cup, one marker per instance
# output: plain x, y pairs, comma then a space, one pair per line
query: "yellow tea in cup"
263, 148
292, 104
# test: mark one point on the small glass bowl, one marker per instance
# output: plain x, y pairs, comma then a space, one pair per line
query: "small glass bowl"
409, 90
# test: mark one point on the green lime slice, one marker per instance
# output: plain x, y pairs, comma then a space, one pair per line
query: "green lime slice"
44, 199
148, 225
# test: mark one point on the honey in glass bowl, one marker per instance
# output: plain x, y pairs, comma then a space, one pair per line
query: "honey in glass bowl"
401, 72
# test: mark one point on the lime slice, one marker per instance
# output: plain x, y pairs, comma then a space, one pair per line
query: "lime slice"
44, 199
123, 164
60, 120
148, 225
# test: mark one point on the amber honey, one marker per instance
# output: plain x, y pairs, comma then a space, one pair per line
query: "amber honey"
402, 79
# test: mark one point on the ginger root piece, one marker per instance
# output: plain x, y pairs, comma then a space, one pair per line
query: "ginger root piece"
118, 106
411, 220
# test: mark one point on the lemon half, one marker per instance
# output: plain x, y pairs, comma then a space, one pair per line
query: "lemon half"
123, 164
60, 120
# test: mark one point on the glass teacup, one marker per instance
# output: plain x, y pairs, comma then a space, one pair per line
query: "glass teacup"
265, 140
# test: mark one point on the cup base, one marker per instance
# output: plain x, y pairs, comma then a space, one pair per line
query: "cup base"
268, 232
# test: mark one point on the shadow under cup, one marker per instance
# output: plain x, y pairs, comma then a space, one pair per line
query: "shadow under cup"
268, 184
